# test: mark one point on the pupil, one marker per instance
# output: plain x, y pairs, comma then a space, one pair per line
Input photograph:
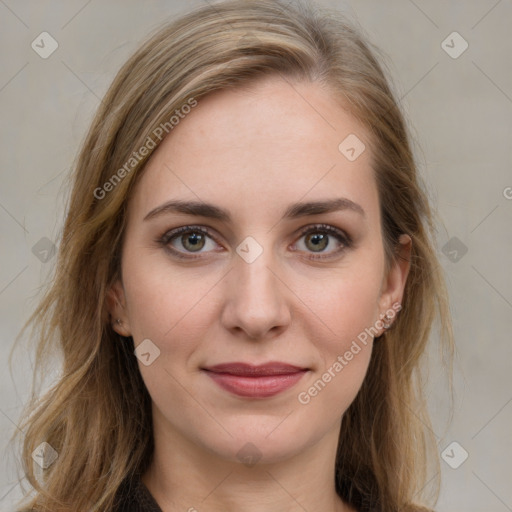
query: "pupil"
193, 241
320, 241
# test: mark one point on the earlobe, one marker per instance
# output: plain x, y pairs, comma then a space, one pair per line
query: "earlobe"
116, 304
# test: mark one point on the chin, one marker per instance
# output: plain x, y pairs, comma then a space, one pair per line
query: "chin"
264, 443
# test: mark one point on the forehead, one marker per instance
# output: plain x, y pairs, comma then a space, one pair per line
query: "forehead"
259, 147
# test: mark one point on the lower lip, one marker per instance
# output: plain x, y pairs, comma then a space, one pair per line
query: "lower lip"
256, 387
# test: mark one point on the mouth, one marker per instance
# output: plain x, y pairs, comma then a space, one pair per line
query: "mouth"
250, 381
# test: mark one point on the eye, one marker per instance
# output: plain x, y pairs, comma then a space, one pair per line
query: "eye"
191, 239
317, 239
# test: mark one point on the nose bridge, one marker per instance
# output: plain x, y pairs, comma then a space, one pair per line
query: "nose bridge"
256, 300
255, 280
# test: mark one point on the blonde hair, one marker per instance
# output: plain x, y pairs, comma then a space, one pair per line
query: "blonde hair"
100, 402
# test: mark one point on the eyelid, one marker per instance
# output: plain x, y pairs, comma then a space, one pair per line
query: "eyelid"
333, 231
165, 239
341, 235
172, 233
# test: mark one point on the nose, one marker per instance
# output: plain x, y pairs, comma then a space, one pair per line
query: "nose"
256, 299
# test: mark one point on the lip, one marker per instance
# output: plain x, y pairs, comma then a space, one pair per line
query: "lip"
255, 381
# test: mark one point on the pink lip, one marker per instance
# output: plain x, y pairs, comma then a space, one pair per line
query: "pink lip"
261, 381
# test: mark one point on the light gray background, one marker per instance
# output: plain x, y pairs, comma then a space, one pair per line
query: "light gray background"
461, 114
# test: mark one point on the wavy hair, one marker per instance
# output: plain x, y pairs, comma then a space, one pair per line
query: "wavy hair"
100, 400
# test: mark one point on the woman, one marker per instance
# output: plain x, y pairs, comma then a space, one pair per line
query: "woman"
246, 283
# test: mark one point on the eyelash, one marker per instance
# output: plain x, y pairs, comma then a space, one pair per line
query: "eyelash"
342, 237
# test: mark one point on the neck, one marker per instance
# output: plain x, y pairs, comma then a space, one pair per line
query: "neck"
185, 477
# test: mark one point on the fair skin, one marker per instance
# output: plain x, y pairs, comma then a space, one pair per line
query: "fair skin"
253, 152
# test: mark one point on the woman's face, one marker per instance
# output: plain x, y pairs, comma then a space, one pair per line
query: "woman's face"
256, 277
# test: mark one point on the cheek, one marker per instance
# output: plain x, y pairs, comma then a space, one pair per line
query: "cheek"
346, 305
170, 309
344, 351
162, 301
348, 310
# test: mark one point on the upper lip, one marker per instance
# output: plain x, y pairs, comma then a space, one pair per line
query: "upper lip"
247, 369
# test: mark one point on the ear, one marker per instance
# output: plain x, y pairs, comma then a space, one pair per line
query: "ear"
116, 304
393, 284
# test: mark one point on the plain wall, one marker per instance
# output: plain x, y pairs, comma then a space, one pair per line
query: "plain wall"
460, 110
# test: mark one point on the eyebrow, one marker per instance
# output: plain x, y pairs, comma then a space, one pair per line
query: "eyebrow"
294, 211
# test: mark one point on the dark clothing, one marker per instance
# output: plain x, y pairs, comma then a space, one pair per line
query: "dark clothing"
134, 496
